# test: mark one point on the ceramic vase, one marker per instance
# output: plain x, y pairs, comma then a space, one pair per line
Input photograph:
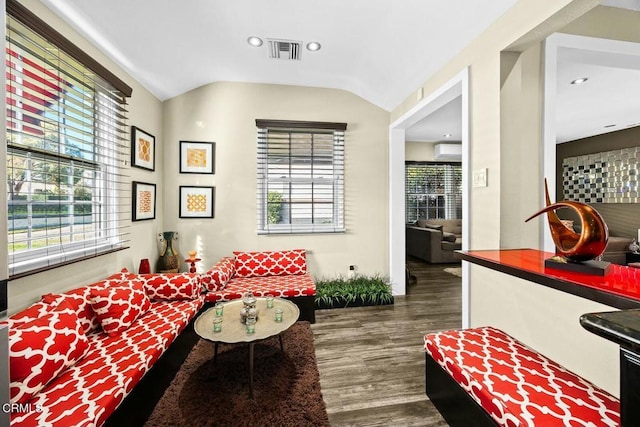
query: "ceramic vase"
169, 261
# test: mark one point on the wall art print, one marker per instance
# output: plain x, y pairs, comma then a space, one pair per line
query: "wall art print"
143, 149
144, 201
197, 157
196, 202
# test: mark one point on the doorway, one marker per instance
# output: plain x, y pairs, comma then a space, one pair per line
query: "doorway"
458, 86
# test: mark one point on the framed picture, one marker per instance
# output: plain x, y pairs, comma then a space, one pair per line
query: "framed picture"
143, 149
197, 157
196, 202
144, 201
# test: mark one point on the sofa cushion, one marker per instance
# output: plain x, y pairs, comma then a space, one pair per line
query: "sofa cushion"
87, 393
448, 237
40, 349
79, 301
270, 263
117, 307
279, 286
218, 276
171, 286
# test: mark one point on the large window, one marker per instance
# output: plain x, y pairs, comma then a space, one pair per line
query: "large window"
66, 141
300, 177
433, 190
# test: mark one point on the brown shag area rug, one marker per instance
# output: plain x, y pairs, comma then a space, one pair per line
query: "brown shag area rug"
286, 386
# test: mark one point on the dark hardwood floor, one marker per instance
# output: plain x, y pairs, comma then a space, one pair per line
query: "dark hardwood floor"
371, 359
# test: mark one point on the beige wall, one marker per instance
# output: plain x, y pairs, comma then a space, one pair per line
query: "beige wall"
521, 150
225, 113
418, 151
145, 111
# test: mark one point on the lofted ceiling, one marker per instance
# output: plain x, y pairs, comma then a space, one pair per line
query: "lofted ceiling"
381, 50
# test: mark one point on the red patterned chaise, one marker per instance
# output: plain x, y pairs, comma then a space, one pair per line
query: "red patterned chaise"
483, 376
75, 356
282, 274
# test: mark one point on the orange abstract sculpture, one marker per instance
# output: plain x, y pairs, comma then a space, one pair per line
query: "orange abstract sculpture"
592, 240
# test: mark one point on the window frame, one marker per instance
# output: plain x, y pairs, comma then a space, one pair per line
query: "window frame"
452, 206
336, 182
33, 261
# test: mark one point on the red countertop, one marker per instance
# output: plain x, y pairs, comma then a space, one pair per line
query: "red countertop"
620, 288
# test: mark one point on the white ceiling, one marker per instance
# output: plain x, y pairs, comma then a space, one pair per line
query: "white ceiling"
381, 50
609, 101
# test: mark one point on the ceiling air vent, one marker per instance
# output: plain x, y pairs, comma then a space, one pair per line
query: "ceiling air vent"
284, 49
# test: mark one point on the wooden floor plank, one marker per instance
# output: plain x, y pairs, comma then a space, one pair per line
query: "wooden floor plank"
371, 359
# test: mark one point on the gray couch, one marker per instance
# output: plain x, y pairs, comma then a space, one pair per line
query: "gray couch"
434, 240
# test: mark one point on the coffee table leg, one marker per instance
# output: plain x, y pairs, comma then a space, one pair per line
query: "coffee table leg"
215, 352
251, 369
281, 346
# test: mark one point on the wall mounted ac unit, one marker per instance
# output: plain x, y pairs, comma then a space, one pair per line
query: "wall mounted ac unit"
450, 152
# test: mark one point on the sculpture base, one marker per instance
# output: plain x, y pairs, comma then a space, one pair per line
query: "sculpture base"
592, 267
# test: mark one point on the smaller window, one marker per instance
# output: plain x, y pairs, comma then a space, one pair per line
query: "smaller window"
300, 177
433, 190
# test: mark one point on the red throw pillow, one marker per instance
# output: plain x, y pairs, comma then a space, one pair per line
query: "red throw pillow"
219, 275
275, 263
171, 286
41, 349
117, 307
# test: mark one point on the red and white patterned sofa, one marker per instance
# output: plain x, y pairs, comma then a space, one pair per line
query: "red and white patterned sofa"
75, 356
508, 383
282, 274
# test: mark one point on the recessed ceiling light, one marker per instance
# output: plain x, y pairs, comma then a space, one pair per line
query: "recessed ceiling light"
447, 135
313, 46
254, 41
580, 81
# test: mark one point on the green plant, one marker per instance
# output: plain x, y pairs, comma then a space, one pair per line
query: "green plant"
274, 207
370, 290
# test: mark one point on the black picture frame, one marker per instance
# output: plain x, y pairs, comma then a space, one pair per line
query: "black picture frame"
143, 149
197, 157
196, 201
143, 201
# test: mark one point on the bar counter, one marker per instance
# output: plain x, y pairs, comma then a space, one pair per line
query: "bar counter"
620, 288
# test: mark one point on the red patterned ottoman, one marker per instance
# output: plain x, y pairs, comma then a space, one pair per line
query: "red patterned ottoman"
75, 356
282, 274
483, 376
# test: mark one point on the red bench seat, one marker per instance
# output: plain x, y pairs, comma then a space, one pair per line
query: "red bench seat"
514, 384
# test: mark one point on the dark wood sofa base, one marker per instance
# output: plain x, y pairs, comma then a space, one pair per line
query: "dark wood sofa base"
455, 405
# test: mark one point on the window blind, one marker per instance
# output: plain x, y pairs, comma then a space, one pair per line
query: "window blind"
433, 190
300, 177
67, 146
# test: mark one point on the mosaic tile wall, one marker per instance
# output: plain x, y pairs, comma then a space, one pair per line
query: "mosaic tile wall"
607, 177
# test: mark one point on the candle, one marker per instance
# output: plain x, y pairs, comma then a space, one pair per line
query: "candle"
219, 309
192, 255
217, 324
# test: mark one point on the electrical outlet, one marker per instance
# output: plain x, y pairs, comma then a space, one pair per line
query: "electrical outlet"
352, 268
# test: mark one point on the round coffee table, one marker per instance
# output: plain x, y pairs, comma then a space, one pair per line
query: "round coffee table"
235, 332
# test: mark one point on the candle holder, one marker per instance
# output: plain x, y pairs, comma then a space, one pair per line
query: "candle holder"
192, 261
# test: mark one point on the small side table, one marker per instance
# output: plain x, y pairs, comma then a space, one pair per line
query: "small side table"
192, 269
631, 257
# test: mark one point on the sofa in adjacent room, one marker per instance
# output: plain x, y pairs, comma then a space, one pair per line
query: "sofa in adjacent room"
434, 240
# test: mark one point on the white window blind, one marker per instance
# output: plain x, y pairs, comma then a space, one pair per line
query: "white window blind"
433, 190
300, 177
67, 146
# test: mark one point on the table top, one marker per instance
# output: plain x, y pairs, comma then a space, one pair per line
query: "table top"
621, 327
620, 288
234, 331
